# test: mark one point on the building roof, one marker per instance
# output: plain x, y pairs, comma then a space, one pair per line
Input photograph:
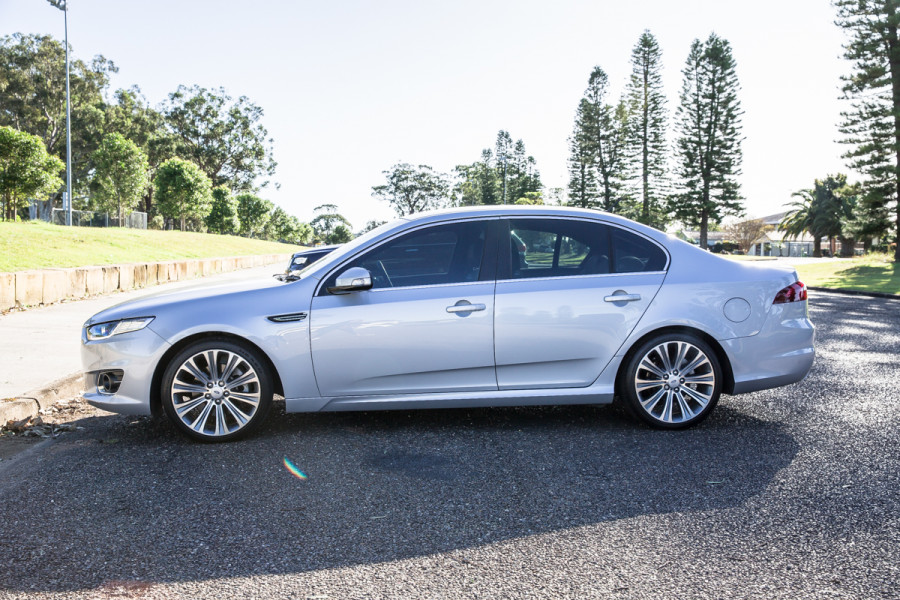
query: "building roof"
781, 237
711, 236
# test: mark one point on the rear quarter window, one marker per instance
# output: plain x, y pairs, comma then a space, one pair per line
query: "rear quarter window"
634, 254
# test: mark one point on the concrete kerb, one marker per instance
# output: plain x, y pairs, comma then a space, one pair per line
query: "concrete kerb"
80, 283
854, 292
35, 287
7, 289
31, 403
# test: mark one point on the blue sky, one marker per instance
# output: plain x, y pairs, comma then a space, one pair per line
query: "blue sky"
351, 88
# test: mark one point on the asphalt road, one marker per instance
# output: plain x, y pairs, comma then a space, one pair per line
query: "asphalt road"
788, 493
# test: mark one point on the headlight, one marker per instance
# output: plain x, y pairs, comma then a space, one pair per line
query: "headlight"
101, 331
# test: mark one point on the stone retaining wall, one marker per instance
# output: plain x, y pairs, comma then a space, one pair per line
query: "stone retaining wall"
46, 286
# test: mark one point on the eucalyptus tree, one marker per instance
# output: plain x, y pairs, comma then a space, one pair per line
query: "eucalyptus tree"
183, 191
121, 174
26, 170
222, 217
223, 136
646, 102
286, 228
33, 88
253, 214
410, 189
478, 182
708, 144
329, 226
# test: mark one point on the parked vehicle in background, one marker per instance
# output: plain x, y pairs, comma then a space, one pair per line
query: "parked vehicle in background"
304, 258
489, 306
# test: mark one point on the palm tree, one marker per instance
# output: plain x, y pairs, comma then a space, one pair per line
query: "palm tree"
821, 211
802, 218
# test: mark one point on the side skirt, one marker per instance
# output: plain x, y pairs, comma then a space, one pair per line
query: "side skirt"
588, 395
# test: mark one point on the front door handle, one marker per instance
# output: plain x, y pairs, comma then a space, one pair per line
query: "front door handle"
623, 297
464, 306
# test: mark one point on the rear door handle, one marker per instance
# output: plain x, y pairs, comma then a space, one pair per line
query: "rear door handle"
622, 298
464, 306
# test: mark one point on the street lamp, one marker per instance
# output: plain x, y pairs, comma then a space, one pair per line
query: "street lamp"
67, 203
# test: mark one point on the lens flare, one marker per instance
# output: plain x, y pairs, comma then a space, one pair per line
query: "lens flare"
293, 469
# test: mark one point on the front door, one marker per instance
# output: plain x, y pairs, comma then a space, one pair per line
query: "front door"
425, 326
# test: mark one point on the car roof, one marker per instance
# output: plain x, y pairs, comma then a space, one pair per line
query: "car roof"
506, 210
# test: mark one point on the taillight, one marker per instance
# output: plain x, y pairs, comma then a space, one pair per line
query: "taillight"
796, 292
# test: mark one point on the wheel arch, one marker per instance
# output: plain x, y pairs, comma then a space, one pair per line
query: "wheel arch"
721, 355
156, 382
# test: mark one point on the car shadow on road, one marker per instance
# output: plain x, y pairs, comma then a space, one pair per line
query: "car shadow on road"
133, 501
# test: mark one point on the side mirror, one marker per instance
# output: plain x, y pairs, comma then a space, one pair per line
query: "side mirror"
354, 279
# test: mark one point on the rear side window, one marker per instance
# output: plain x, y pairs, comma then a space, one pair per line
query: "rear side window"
557, 248
634, 254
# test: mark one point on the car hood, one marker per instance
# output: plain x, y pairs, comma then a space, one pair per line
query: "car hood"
149, 305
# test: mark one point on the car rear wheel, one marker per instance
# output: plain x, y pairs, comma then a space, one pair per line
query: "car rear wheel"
672, 381
217, 390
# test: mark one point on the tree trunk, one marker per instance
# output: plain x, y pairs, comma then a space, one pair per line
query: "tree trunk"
704, 227
645, 209
894, 64
847, 246
817, 246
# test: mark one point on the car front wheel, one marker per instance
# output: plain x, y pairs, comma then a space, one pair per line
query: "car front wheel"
217, 390
672, 381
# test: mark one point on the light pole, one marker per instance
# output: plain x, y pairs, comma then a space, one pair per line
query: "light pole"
67, 204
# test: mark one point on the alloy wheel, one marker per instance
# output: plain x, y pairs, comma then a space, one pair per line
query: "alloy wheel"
674, 382
215, 393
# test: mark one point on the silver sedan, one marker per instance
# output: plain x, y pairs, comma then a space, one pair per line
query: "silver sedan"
497, 306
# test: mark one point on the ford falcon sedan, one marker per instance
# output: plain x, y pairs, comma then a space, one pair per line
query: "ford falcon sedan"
489, 306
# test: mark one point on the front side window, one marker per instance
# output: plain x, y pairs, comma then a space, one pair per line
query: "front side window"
557, 247
436, 255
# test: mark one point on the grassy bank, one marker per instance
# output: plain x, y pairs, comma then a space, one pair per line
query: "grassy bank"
872, 273
38, 245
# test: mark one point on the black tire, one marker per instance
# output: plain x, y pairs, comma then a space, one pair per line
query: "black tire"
223, 408
672, 381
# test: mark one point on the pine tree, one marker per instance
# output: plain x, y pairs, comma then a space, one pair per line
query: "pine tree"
501, 177
872, 124
708, 146
647, 128
605, 129
582, 179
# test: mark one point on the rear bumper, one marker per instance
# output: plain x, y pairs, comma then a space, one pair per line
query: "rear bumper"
780, 354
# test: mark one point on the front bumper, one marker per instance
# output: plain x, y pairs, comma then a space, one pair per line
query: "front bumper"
136, 354
780, 354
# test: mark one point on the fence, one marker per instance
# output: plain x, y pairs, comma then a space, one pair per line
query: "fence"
42, 210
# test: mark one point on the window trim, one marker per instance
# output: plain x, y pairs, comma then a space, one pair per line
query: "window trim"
504, 266
487, 272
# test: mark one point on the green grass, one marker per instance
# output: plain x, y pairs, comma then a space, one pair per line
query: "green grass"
38, 245
871, 273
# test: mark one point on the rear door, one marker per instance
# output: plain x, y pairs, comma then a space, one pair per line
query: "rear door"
568, 294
